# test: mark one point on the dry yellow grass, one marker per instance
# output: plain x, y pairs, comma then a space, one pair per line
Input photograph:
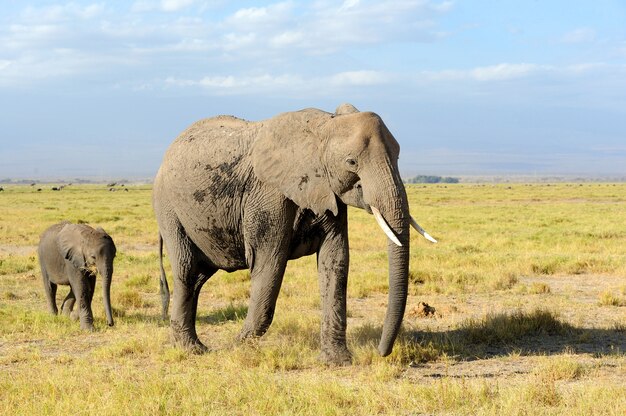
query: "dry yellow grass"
527, 282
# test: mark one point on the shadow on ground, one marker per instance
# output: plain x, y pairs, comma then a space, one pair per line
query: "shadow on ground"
499, 335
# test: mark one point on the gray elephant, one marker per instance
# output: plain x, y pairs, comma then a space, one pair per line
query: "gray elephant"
232, 194
67, 256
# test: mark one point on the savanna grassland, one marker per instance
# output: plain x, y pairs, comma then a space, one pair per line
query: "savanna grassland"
528, 283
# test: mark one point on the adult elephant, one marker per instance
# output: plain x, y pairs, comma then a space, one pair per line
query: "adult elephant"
232, 194
67, 254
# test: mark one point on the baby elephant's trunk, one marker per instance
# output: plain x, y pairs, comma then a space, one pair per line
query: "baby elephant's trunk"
107, 275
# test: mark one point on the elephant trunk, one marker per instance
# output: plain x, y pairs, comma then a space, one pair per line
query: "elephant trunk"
107, 275
393, 207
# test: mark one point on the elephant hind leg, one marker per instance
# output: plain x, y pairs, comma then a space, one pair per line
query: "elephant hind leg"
67, 306
51, 294
184, 311
188, 280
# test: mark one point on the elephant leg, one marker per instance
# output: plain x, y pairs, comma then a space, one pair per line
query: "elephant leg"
185, 307
188, 281
81, 288
332, 264
268, 257
51, 291
202, 279
266, 282
68, 305
91, 286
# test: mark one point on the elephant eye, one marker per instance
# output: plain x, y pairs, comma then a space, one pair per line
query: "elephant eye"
351, 162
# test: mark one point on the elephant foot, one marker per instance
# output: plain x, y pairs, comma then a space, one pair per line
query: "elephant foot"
189, 342
336, 357
192, 346
72, 314
249, 332
86, 326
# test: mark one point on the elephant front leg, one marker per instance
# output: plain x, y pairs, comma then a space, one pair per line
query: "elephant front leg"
332, 264
81, 288
267, 254
266, 282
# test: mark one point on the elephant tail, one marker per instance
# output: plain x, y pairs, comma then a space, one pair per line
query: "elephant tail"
164, 289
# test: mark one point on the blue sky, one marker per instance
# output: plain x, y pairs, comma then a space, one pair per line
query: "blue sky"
100, 89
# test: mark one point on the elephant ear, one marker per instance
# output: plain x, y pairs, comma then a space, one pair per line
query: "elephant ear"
70, 241
287, 155
106, 237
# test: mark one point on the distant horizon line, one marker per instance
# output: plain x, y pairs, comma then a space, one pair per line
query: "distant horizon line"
463, 178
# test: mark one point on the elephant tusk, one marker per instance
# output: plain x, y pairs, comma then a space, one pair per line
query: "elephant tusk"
422, 231
385, 227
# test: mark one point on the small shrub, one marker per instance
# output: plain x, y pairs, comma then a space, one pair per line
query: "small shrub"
132, 299
561, 369
544, 268
143, 281
543, 392
619, 327
502, 328
10, 296
504, 282
538, 288
608, 299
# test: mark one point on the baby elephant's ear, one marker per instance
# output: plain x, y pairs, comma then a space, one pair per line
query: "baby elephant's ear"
70, 241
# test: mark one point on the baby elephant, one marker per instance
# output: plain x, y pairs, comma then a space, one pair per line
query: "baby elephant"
67, 254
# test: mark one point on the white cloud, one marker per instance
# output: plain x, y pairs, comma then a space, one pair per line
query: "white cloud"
168, 6
175, 5
255, 18
57, 13
287, 38
499, 72
510, 71
504, 72
325, 26
241, 85
31, 37
233, 41
580, 35
348, 4
362, 78
285, 32
283, 84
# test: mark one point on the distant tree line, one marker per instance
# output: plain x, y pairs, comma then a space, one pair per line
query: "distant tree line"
432, 179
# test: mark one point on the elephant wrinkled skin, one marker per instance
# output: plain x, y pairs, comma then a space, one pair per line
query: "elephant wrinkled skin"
67, 254
232, 194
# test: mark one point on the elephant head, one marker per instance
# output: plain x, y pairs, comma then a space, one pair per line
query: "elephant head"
317, 159
85, 248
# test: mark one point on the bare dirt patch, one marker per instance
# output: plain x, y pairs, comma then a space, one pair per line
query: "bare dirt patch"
596, 337
7, 249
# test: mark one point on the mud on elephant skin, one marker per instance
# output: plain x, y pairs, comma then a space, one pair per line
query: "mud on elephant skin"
232, 194
68, 254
